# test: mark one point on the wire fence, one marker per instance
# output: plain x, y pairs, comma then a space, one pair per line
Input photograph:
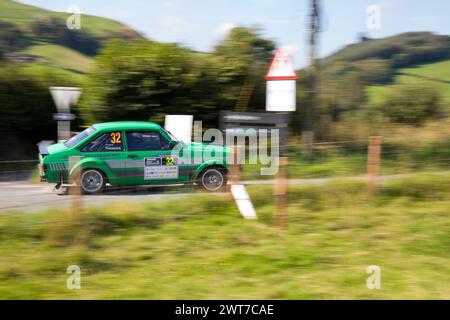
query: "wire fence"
316, 161
321, 159
350, 157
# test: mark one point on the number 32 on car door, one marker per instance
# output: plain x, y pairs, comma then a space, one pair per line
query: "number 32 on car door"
116, 137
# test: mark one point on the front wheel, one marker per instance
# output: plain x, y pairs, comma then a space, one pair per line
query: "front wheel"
92, 181
213, 179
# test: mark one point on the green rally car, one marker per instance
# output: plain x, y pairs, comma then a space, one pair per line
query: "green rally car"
132, 153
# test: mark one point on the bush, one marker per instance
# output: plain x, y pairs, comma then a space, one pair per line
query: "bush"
411, 103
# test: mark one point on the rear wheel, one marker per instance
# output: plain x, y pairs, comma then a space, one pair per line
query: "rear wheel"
213, 179
92, 181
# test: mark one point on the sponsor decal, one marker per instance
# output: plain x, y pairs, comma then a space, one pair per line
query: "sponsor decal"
160, 168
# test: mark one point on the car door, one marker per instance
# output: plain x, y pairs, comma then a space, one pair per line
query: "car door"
109, 148
150, 160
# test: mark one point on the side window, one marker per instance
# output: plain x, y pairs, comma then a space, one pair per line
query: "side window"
146, 141
111, 141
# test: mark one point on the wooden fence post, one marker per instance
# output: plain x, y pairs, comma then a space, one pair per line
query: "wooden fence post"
373, 162
235, 170
75, 193
280, 193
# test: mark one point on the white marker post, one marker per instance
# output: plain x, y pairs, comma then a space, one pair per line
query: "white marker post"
180, 126
64, 98
281, 84
281, 97
243, 201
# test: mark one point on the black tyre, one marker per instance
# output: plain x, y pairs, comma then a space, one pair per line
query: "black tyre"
92, 181
213, 179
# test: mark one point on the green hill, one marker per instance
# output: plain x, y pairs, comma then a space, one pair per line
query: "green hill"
40, 39
404, 48
437, 73
23, 15
363, 73
377, 60
61, 57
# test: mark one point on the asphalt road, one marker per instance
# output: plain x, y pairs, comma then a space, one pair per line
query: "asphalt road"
33, 197
25, 196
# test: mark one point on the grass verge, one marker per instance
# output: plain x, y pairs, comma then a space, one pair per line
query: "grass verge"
200, 248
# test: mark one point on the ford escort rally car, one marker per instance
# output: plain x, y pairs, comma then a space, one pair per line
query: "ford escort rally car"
131, 153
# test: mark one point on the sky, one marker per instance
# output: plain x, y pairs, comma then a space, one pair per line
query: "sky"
200, 24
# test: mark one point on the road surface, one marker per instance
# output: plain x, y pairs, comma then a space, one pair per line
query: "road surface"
25, 196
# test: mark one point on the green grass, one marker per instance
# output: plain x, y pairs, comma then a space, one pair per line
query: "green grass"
201, 248
18, 13
62, 58
437, 73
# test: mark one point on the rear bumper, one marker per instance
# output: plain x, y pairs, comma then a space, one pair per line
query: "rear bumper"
42, 175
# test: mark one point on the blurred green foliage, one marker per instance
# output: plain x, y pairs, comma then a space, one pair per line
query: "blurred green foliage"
26, 109
54, 30
140, 80
345, 76
411, 103
11, 39
125, 76
391, 53
39, 25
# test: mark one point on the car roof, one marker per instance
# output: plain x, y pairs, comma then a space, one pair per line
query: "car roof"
126, 125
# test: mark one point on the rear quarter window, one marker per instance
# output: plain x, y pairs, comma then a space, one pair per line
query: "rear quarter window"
79, 137
107, 142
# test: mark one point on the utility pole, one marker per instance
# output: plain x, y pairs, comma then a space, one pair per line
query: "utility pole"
308, 121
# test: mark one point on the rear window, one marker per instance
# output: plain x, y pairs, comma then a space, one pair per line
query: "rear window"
79, 137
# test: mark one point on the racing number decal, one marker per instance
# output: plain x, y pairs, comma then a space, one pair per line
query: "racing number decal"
168, 161
116, 137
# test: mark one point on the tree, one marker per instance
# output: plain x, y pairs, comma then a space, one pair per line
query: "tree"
142, 80
54, 30
241, 57
26, 111
139, 79
342, 89
411, 103
11, 38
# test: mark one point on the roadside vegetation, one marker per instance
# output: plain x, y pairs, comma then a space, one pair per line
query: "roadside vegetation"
403, 151
125, 76
160, 250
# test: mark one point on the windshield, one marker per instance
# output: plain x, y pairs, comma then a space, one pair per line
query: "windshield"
79, 137
172, 137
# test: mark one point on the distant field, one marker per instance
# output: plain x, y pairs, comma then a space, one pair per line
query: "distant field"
161, 250
22, 15
43, 71
62, 57
57, 60
437, 73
